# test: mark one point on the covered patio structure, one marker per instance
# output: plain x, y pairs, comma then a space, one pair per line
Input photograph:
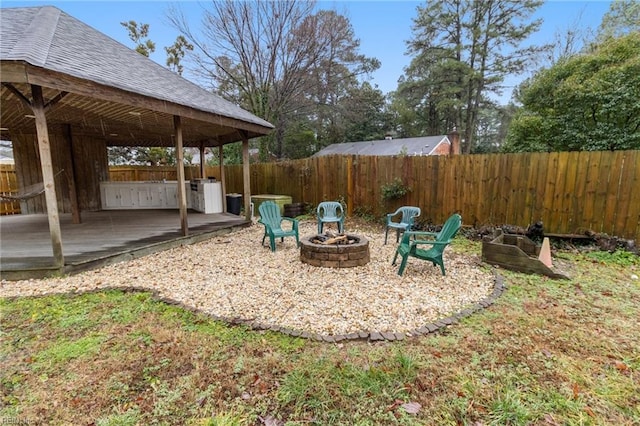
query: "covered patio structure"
103, 237
68, 93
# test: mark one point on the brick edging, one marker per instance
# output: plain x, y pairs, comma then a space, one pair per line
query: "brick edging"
372, 336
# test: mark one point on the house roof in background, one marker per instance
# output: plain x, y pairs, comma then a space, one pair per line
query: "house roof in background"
424, 145
58, 45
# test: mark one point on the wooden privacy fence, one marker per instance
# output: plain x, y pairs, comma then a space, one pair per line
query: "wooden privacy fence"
8, 186
149, 173
571, 192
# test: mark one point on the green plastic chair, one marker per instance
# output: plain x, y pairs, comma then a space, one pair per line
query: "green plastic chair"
409, 246
330, 212
409, 213
272, 220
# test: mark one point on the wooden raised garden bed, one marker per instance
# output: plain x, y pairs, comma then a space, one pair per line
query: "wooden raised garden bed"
516, 253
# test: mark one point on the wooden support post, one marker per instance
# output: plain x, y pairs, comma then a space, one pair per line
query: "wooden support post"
182, 196
203, 173
71, 176
44, 147
246, 176
223, 180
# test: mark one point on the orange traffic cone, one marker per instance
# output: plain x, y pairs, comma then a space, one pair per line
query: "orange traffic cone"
545, 253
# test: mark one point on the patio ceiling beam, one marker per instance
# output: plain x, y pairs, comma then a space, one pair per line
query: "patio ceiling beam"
18, 94
55, 100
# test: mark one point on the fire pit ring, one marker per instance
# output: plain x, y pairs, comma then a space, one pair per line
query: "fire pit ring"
355, 252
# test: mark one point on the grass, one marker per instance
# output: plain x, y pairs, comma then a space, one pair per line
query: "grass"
549, 352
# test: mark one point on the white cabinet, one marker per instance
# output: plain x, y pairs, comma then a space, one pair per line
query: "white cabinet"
206, 196
141, 195
110, 196
171, 195
116, 196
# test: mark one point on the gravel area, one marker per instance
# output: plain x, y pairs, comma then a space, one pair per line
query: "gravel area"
232, 277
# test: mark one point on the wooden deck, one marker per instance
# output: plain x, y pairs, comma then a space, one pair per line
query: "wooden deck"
103, 237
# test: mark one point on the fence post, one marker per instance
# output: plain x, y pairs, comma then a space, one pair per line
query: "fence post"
350, 185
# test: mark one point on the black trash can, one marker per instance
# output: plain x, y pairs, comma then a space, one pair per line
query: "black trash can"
293, 209
234, 203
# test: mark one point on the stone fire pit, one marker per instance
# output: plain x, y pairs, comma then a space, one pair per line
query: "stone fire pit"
334, 251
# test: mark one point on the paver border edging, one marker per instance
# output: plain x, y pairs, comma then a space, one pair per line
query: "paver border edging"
498, 288
372, 336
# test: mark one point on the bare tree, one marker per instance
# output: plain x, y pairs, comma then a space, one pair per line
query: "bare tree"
275, 58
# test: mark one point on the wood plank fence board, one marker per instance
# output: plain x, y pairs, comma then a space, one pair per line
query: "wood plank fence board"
632, 222
514, 178
469, 177
613, 190
528, 207
550, 192
591, 186
567, 175
600, 199
626, 191
541, 179
493, 193
482, 177
578, 197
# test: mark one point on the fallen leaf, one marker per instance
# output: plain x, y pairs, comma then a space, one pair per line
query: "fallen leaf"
621, 366
589, 411
576, 391
271, 421
548, 418
411, 407
395, 405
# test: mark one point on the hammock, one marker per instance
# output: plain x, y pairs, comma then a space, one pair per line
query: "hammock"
29, 192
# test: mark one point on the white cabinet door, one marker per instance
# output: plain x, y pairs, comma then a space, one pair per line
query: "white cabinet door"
110, 197
171, 197
127, 197
142, 197
157, 195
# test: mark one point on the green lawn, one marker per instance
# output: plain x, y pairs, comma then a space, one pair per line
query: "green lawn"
549, 352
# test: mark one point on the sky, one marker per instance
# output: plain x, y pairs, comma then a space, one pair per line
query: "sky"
383, 26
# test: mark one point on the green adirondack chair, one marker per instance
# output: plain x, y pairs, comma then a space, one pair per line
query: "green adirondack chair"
272, 220
408, 215
411, 240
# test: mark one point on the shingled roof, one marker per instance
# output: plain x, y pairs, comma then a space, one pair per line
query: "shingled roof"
55, 48
427, 145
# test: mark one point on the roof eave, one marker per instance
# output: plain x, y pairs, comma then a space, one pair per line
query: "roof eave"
12, 71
